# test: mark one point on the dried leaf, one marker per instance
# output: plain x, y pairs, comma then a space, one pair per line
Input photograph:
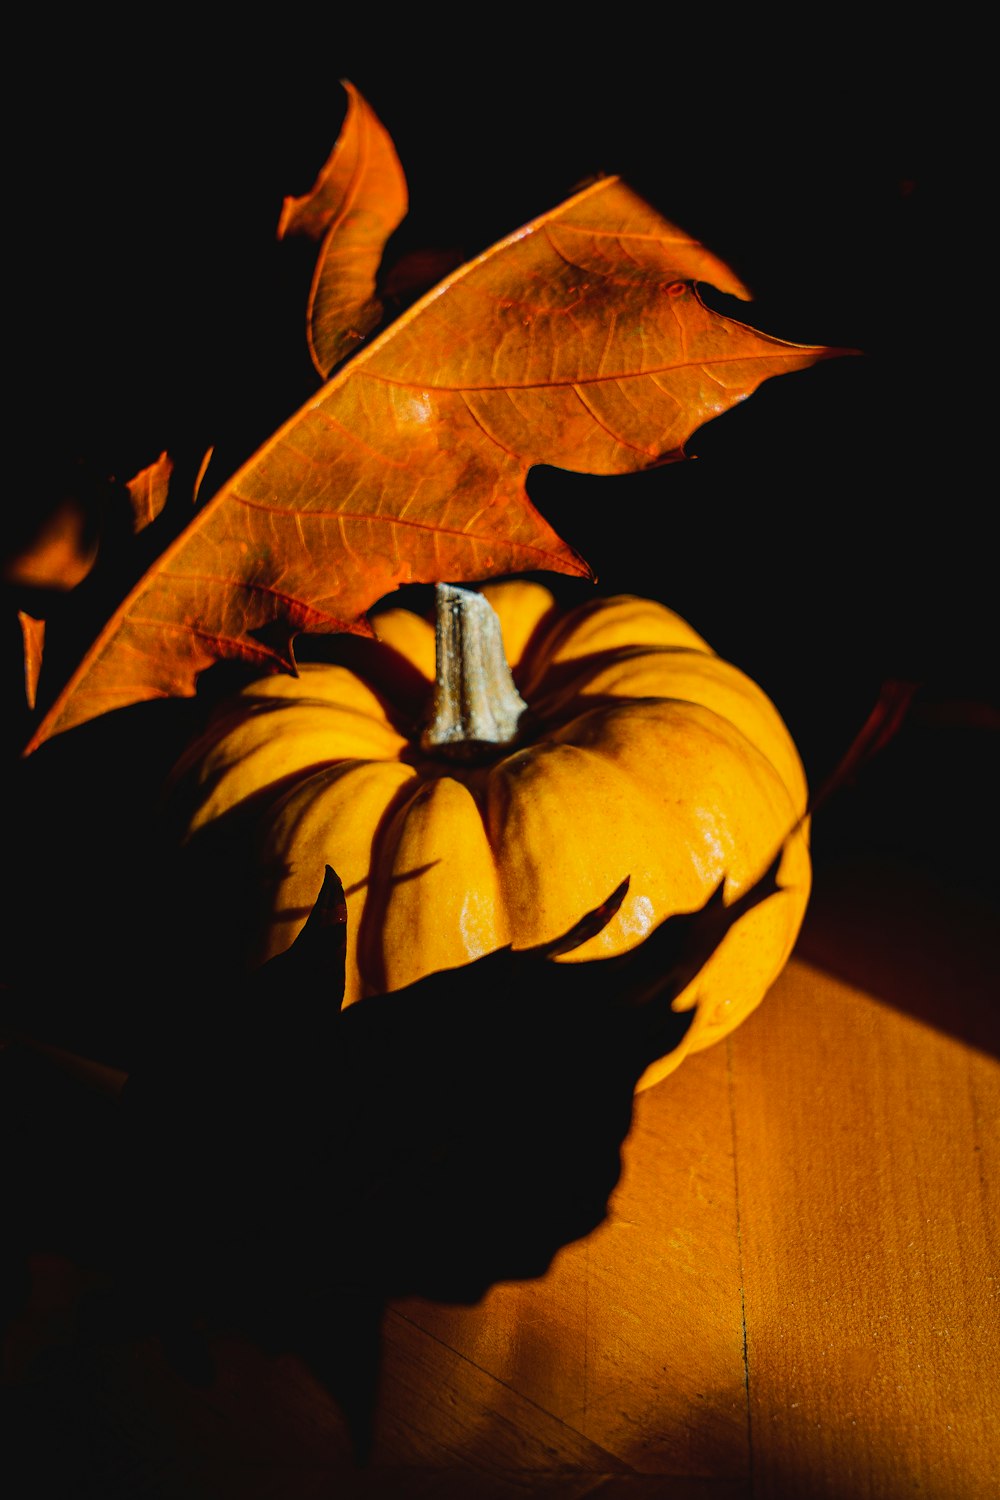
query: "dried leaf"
148, 491
199, 478
60, 554
580, 341
33, 637
357, 201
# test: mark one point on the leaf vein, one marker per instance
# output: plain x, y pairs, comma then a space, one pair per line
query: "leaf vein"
352, 437
486, 432
250, 587
615, 436
241, 646
541, 385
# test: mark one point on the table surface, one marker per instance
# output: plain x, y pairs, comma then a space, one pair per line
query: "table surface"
794, 1293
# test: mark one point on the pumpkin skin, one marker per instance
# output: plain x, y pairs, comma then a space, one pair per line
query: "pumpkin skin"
651, 758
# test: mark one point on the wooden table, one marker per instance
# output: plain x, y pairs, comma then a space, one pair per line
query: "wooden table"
794, 1295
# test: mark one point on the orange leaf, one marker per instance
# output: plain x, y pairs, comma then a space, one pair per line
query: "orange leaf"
33, 639
579, 341
60, 554
148, 491
357, 201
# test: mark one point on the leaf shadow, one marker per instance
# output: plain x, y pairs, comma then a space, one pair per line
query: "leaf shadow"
279, 1167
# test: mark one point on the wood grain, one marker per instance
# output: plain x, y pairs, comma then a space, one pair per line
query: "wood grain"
868, 1201
794, 1296
634, 1338
832, 1176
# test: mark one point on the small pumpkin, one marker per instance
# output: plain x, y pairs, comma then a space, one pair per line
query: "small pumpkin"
641, 753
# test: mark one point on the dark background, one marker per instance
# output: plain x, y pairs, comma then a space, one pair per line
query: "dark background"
829, 534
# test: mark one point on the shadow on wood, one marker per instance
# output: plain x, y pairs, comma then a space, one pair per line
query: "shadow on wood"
280, 1168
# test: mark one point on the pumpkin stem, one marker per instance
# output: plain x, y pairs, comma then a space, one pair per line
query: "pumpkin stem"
477, 709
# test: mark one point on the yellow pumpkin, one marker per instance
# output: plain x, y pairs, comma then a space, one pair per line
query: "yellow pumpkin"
647, 756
